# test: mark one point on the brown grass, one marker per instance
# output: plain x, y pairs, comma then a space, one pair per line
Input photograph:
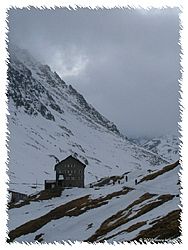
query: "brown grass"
43, 195
33, 225
142, 198
168, 227
49, 194
117, 219
160, 172
72, 208
128, 230
148, 207
122, 217
135, 226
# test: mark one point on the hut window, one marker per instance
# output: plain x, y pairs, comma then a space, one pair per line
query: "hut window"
61, 177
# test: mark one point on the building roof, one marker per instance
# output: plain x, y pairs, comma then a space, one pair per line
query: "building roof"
70, 156
16, 192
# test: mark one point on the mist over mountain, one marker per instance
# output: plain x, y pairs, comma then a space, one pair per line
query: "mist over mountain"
130, 191
128, 69
49, 117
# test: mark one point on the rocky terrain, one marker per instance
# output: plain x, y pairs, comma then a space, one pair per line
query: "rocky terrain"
48, 121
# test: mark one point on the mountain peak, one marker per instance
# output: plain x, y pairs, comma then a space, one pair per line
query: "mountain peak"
52, 120
36, 88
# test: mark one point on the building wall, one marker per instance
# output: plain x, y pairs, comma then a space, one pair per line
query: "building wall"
15, 196
70, 183
72, 172
49, 185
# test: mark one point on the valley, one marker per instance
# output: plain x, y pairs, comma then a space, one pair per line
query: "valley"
130, 189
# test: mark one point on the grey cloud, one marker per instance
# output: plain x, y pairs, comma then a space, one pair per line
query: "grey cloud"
125, 62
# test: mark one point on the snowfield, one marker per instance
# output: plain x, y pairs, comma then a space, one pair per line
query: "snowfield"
133, 203
37, 139
167, 146
49, 120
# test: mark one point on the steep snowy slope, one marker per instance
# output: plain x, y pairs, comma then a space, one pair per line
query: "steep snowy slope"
50, 120
166, 146
114, 212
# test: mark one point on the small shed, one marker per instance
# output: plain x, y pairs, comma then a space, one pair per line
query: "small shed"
16, 196
49, 184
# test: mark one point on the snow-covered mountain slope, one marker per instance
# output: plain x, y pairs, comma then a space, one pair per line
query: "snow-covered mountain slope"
50, 120
113, 209
166, 146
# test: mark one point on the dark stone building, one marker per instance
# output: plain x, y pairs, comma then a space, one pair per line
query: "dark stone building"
69, 173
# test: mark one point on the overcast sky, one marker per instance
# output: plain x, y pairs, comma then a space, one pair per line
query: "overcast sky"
124, 62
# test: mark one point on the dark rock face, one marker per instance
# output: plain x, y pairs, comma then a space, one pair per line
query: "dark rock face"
26, 92
34, 88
